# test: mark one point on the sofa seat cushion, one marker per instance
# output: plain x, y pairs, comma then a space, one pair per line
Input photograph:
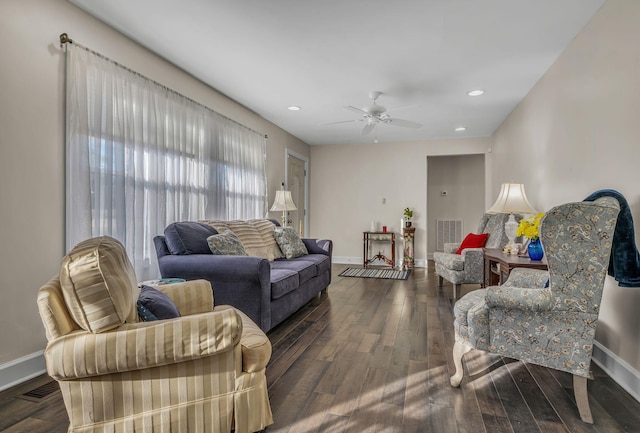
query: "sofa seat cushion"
322, 261
283, 281
306, 269
453, 262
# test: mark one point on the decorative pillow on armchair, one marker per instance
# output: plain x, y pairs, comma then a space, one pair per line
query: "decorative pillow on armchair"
473, 241
99, 284
226, 243
154, 305
289, 242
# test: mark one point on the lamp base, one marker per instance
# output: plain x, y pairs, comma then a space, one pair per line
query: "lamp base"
510, 229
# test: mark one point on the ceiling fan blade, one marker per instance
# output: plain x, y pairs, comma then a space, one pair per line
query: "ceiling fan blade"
402, 122
342, 121
403, 108
368, 128
356, 110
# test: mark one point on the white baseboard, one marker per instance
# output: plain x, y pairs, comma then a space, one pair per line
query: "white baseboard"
618, 369
344, 260
22, 369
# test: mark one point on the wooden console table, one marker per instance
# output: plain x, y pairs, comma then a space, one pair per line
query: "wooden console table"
498, 266
369, 237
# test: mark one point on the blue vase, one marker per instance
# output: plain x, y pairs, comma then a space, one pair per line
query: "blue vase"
535, 249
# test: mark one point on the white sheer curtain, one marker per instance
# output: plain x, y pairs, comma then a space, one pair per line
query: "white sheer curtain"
140, 156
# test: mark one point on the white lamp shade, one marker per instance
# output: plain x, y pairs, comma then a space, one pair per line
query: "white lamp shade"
283, 201
512, 199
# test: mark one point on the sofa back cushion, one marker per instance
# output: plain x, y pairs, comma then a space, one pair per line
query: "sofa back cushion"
188, 237
256, 236
99, 285
265, 227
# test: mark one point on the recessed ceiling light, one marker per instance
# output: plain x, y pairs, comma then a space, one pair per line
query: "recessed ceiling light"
460, 129
294, 108
476, 92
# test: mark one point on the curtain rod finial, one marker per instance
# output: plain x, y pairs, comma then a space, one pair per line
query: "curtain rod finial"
64, 38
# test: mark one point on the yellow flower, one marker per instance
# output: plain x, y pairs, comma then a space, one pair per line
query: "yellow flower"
530, 227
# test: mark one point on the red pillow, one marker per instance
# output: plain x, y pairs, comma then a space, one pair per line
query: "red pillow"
473, 241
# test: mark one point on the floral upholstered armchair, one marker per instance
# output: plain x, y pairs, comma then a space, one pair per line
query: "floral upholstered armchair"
546, 318
466, 268
201, 372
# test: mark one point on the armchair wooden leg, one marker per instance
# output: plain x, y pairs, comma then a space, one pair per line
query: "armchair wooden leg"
456, 289
440, 281
582, 398
459, 350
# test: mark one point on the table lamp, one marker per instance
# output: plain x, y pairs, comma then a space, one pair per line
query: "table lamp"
283, 202
512, 199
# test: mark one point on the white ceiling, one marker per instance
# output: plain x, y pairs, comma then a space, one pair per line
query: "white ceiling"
323, 55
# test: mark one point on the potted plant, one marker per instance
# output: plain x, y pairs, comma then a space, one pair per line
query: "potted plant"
408, 214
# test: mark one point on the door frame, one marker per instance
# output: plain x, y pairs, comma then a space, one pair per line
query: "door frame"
290, 152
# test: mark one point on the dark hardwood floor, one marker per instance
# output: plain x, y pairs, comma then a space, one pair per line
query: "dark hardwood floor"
375, 356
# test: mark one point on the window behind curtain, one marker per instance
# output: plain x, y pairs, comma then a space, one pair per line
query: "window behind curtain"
140, 156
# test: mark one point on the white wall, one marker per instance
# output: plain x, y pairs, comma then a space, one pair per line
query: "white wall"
348, 184
578, 131
32, 151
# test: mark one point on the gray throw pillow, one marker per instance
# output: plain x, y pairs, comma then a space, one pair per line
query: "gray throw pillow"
226, 244
289, 242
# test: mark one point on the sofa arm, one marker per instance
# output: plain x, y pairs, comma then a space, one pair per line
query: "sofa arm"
525, 277
318, 246
519, 298
473, 258
241, 281
190, 297
136, 346
215, 268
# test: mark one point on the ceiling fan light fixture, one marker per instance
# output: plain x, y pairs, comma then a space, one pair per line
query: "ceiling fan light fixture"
475, 92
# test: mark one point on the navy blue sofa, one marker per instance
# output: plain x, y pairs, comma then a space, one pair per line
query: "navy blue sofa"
267, 291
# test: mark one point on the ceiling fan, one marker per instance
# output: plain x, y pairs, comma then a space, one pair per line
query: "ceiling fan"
375, 114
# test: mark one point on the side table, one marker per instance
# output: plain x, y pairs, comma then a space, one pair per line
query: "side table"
498, 265
368, 237
408, 234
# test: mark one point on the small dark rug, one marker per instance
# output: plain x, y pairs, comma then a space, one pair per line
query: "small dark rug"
385, 274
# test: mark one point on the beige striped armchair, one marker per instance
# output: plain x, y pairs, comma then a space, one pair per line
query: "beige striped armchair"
201, 372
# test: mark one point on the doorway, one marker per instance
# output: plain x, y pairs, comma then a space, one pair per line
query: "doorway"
455, 197
297, 184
